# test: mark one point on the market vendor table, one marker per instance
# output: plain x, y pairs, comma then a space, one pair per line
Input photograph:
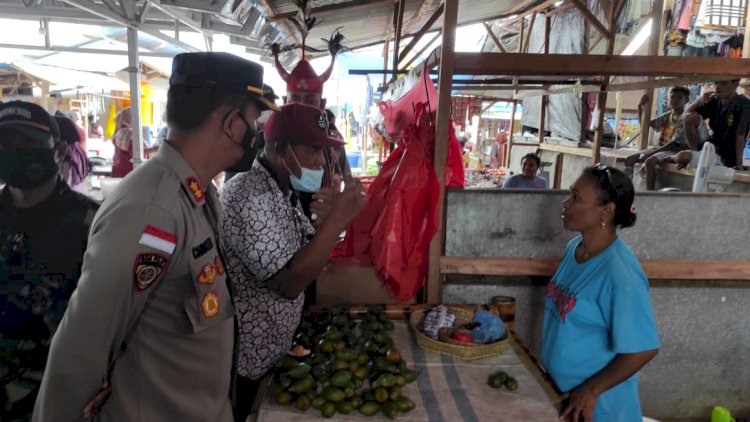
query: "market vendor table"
449, 390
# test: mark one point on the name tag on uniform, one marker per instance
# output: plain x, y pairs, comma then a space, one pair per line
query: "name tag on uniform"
158, 239
203, 248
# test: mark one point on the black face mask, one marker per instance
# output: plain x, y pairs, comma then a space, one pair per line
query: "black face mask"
247, 140
27, 168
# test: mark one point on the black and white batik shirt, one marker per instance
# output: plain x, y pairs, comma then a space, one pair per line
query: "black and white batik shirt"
262, 229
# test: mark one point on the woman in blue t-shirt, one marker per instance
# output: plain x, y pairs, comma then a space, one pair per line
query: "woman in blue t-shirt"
599, 328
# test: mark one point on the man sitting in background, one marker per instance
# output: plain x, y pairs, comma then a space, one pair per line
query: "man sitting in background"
672, 138
728, 115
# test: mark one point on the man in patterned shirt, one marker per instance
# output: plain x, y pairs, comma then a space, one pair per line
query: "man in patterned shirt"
273, 251
43, 230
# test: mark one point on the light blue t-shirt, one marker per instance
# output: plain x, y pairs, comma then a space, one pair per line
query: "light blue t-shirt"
517, 181
593, 312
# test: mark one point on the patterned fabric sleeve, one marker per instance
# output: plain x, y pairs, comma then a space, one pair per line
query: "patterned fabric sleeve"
252, 229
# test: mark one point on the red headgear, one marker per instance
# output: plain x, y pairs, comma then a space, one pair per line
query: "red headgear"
303, 78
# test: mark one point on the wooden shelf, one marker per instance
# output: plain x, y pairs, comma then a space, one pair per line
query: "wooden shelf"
654, 269
581, 151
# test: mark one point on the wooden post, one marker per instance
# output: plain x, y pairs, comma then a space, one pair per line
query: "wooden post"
385, 64
618, 113
542, 118
398, 16
558, 170
601, 101
506, 158
528, 36
584, 96
545, 99
653, 50
450, 18
515, 104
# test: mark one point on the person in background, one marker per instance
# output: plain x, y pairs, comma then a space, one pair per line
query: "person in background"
728, 115
528, 179
672, 138
95, 129
44, 227
497, 152
273, 251
123, 140
75, 166
599, 328
345, 170
149, 334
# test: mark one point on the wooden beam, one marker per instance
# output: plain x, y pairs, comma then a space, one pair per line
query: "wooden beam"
596, 65
654, 269
437, 244
591, 18
327, 9
398, 21
528, 35
628, 86
493, 37
425, 29
421, 50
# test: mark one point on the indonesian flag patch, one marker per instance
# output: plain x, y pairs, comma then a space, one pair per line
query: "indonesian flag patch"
158, 239
147, 269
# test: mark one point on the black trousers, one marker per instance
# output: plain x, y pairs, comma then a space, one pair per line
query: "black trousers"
247, 390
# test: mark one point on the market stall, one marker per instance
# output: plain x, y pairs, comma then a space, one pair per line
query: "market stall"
446, 387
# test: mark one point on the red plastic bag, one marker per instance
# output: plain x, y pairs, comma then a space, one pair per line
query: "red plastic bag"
400, 113
394, 229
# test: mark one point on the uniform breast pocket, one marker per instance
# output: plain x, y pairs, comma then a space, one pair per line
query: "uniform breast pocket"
211, 303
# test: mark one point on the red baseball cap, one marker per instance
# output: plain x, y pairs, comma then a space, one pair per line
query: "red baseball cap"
300, 124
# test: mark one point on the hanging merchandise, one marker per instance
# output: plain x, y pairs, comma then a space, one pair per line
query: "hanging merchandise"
400, 112
394, 229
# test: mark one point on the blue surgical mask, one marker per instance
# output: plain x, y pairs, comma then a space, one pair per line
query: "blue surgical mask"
309, 181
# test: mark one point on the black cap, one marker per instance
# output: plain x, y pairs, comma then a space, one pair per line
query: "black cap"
29, 120
224, 72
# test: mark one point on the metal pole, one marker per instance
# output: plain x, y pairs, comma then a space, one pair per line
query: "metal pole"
134, 69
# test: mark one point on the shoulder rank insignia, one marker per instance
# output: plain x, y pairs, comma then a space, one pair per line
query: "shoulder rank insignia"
195, 189
210, 304
147, 269
207, 275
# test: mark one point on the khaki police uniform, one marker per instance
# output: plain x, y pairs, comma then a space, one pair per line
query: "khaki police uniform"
152, 312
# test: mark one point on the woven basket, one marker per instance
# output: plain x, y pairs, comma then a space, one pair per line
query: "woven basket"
450, 347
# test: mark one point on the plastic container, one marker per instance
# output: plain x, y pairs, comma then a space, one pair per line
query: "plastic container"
354, 158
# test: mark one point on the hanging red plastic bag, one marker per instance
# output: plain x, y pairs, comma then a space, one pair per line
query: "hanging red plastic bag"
396, 224
400, 113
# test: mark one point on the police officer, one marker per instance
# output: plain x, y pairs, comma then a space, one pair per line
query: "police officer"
149, 332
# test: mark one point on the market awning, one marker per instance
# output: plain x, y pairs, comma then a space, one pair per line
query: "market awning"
62, 79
